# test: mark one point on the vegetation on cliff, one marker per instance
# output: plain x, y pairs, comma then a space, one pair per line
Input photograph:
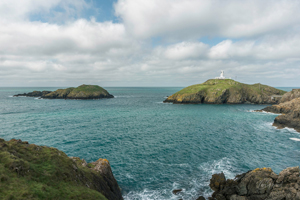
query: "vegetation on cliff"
218, 91
28, 171
81, 92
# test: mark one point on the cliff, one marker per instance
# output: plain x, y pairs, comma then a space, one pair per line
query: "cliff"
81, 92
258, 184
295, 93
216, 91
290, 111
28, 171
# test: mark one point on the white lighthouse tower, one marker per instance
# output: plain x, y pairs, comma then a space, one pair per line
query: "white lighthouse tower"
221, 75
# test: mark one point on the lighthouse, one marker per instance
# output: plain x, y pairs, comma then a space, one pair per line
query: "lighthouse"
221, 75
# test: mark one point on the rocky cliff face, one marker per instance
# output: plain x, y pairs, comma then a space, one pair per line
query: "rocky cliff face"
290, 111
226, 91
295, 93
28, 171
81, 92
258, 184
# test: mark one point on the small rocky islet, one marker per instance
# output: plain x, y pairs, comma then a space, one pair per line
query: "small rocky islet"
83, 92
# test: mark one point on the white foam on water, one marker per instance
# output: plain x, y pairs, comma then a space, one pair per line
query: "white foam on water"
223, 165
10, 96
295, 139
292, 130
263, 112
129, 176
147, 194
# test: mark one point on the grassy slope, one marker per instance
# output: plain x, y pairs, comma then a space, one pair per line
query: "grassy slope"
215, 85
28, 171
214, 88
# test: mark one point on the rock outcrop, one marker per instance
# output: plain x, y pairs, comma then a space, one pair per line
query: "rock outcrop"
33, 94
295, 93
81, 92
228, 91
29, 171
258, 184
290, 111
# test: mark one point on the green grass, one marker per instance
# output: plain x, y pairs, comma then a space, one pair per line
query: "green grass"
89, 88
217, 86
29, 171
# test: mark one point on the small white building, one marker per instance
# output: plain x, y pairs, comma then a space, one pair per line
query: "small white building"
221, 75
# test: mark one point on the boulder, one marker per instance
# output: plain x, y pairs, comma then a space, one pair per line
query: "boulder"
259, 184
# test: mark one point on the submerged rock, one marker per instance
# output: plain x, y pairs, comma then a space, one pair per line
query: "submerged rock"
176, 191
216, 91
81, 92
29, 171
258, 184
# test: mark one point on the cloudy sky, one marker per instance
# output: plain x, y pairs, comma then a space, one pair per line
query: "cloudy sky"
148, 42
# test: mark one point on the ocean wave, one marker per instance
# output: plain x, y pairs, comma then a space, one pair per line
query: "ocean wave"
295, 139
264, 112
291, 130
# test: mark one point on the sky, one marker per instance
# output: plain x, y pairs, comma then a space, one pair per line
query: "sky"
148, 43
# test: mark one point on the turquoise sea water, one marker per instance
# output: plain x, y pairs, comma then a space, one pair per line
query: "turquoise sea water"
153, 147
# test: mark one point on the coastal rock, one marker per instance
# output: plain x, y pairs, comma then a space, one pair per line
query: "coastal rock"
81, 92
228, 91
29, 171
176, 191
33, 94
295, 93
260, 184
290, 111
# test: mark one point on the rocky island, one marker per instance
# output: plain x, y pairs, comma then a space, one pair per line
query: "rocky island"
289, 108
29, 171
220, 91
81, 92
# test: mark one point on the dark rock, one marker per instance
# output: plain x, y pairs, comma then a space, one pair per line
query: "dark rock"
33, 94
176, 191
200, 198
217, 181
260, 184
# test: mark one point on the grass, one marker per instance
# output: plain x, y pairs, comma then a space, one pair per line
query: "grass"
217, 86
28, 171
89, 88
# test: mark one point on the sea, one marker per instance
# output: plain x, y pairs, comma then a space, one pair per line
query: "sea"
153, 147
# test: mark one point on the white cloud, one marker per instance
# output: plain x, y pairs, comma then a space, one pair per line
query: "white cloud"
196, 18
185, 50
22, 10
77, 50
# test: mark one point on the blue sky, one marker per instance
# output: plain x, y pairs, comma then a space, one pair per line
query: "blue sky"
148, 43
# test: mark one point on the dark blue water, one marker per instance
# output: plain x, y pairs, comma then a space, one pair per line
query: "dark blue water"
153, 147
